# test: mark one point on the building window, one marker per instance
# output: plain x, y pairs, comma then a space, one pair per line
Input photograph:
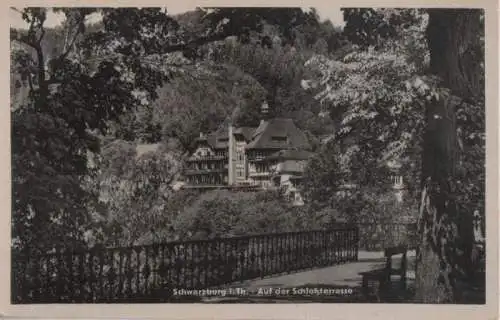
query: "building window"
260, 168
297, 197
279, 138
239, 173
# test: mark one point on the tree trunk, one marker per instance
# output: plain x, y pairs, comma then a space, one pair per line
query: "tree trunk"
453, 39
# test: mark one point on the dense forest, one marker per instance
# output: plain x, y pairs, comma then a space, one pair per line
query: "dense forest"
104, 114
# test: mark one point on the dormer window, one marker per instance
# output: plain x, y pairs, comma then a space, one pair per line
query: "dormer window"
279, 138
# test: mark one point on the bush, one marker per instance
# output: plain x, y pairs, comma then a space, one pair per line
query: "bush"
224, 213
371, 205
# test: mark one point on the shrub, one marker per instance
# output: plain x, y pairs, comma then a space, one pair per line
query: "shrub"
223, 213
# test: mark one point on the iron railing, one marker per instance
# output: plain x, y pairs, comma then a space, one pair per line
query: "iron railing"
150, 273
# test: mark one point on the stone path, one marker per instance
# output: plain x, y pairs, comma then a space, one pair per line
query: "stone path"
340, 280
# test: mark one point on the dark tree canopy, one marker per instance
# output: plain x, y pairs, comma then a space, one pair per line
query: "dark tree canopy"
79, 83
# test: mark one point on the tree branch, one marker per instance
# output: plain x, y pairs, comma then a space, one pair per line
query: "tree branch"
41, 35
23, 40
197, 42
68, 48
41, 68
30, 82
53, 81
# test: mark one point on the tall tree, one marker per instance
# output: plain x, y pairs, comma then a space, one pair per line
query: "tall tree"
455, 57
408, 88
136, 186
376, 100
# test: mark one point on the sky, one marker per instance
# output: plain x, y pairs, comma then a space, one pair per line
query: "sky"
325, 12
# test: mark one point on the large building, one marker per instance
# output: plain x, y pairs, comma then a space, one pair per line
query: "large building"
272, 155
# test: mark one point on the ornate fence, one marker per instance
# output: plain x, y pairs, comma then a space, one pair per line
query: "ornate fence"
150, 273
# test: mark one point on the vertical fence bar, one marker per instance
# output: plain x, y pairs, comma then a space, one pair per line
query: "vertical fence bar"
162, 269
111, 275
188, 265
196, 269
207, 264
91, 276
146, 271
101, 269
120, 274
356, 243
279, 254
178, 267
81, 277
265, 245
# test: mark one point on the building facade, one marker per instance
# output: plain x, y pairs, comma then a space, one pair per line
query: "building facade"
272, 155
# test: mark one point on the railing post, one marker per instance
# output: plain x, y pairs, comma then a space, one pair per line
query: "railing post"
356, 245
404, 266
91, 276
101, 269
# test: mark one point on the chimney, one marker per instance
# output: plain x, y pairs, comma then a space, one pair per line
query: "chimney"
264, 111
230, 173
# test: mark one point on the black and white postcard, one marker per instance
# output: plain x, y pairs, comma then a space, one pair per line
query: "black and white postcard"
211, 157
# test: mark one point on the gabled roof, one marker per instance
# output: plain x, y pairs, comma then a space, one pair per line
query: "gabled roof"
220, 138
214, 140
278, 133
247, 132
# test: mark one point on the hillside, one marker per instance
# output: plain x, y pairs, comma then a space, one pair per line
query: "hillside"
244, 75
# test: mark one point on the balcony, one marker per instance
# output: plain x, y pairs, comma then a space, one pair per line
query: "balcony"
192, 172
207, 158
259, 174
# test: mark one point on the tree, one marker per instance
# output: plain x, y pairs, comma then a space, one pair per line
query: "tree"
455, 56
76, 91
279, 71
71, 98
188, 106
324, 175
239, 77
433, 107
375, 100
135, 189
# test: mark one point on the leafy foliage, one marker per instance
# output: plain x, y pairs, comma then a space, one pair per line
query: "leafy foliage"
373, 26
67, 104
279, 70
378, 99
243, 21
385, 98
187, 107
135, 188
227, 213
79, 81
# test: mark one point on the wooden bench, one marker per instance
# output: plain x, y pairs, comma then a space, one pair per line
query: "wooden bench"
382, 277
